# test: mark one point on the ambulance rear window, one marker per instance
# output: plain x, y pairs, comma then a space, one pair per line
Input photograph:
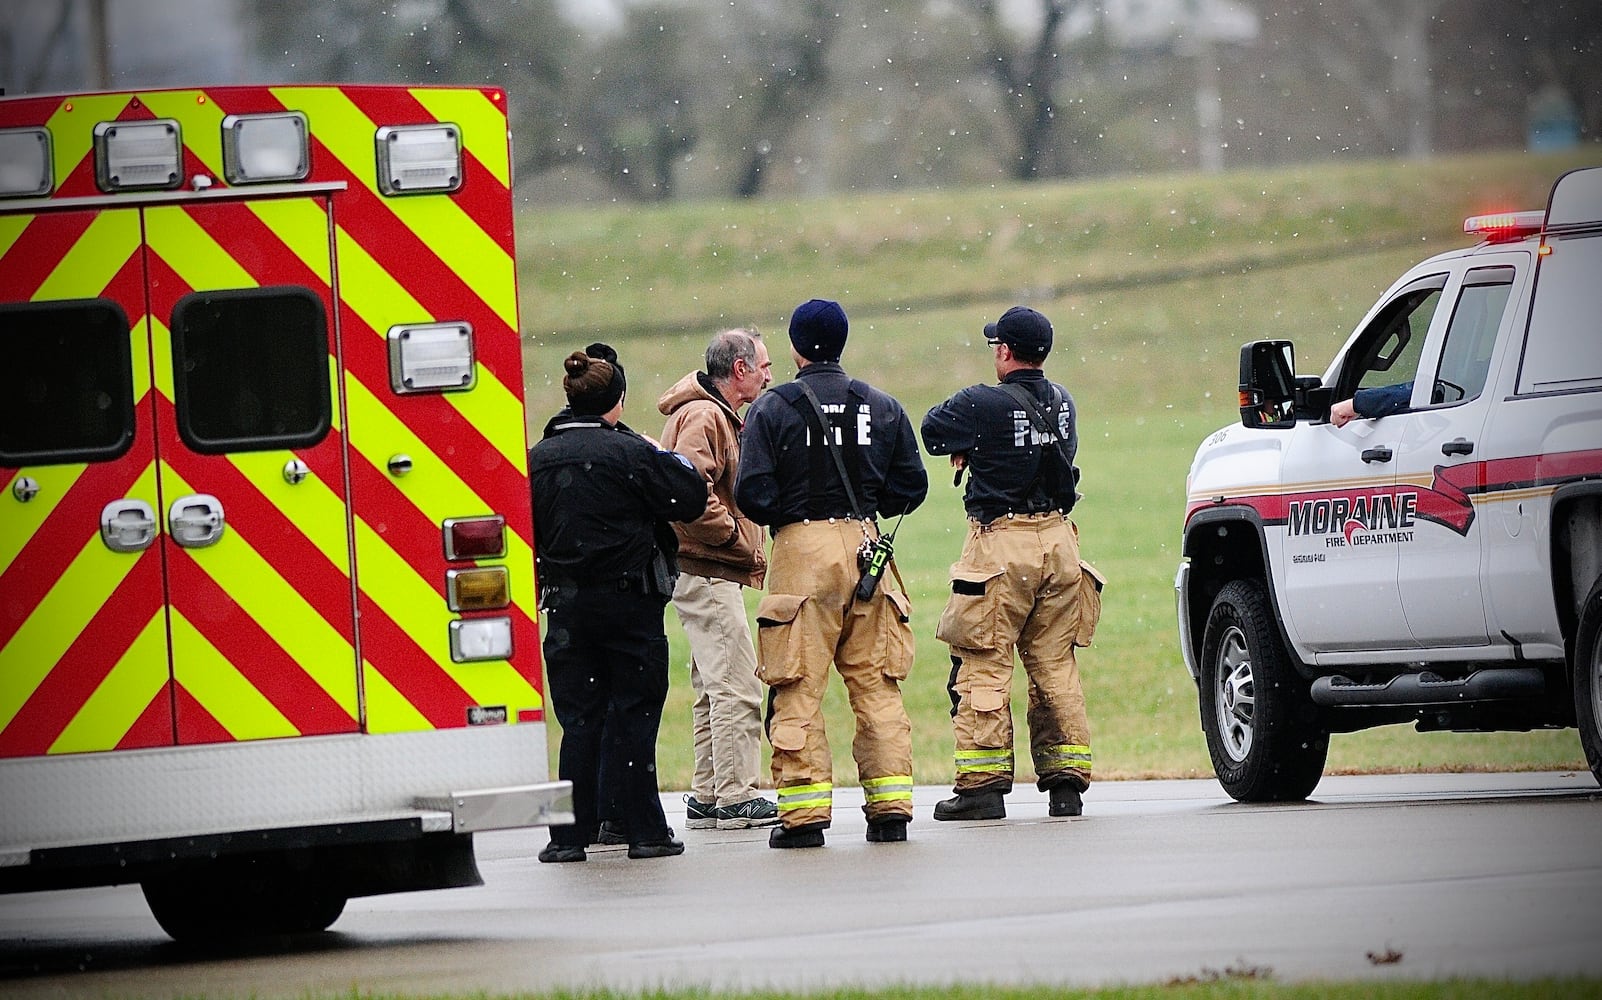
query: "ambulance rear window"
250, 369
66, 387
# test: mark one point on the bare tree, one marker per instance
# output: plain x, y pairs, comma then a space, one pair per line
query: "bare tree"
1028, 75
781, 70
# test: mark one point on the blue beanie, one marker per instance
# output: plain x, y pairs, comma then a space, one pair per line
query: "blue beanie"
818, 330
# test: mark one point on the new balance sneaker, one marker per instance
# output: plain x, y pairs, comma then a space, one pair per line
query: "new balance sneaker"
756, 811
699, 815
971, 805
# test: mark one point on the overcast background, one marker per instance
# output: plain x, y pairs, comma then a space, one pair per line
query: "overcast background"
616, 99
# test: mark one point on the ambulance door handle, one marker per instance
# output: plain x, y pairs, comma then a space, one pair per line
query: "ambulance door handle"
1380, 454
196, 521
1458, 446
127, 525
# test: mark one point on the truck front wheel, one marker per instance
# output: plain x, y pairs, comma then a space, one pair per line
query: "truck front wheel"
1588, 679
1263, 731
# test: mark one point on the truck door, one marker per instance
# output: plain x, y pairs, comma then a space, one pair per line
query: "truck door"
257, 535
83, 631
1439, 457
1344, 510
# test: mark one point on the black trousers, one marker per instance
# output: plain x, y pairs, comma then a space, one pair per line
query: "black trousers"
606, 664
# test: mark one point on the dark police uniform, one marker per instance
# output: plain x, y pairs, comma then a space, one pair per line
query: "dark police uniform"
1019, 584
810, 618
600, 495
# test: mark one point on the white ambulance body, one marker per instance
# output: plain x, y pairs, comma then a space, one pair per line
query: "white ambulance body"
1440, 565
268, 636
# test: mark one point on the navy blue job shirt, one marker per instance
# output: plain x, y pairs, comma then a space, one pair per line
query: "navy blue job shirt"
1011, 469
786, 474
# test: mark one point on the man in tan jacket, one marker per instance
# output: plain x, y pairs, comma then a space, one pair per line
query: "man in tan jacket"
719, 553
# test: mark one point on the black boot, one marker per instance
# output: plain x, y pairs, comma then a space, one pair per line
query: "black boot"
554, 853
805, 835
668, 847
1065, 801
892, 830
972, 805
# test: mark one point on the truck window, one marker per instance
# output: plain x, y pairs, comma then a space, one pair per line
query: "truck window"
1389, 350
66, 388
250, 369
1563, 352
1471, 335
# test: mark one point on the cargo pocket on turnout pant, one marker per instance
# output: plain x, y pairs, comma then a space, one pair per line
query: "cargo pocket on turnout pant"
780, 647
973, 613
992, 718
896, 643
1090, 584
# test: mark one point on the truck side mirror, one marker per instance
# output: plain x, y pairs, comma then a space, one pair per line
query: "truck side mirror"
1268, 384
1313, 399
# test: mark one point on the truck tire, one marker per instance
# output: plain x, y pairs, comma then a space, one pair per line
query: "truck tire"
1588, 679
1264, 733
214, 907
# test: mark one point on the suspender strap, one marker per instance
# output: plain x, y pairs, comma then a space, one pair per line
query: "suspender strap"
1046, 427
834, 450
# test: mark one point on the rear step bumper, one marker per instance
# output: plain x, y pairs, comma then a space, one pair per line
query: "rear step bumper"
1490, 684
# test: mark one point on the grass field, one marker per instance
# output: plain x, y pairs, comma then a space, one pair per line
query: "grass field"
1152, 284
1231, 984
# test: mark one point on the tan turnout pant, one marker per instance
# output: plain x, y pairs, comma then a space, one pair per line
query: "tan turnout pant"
1019, 585
808, 620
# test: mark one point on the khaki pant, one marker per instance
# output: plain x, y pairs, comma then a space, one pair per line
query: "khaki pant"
1019, 585
727, 714
808, 621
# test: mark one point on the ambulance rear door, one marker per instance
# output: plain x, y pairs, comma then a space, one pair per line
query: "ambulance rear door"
253, 477
83, 630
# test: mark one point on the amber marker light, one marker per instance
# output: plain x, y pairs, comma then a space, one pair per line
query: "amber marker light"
483, 588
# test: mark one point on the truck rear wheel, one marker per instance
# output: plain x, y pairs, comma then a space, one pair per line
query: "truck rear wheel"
1588, 679
1264, 734
210, 905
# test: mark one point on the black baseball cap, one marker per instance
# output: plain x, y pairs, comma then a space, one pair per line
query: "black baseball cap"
1022, 327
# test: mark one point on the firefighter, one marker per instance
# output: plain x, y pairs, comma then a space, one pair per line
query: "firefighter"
790, 480
1019, 583
602, 495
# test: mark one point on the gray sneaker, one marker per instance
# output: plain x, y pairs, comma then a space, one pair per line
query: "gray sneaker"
699, 815
756, 811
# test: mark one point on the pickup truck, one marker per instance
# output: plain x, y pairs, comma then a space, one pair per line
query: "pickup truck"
1440, 564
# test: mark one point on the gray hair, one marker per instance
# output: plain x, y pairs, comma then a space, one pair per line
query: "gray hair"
727, 348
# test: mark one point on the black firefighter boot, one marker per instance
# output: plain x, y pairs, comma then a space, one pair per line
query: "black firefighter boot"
890, 830
1065, 801
804, 835
972, 805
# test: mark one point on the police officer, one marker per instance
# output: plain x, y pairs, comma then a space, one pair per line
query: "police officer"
790, 481
605, 564
1019, 583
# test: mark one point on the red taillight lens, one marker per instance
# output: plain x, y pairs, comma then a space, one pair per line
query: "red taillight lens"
474, 537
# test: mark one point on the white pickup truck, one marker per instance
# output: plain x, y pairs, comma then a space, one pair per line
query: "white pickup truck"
1440, 564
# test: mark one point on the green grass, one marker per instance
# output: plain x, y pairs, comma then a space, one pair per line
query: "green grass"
1209, 984
1152, 284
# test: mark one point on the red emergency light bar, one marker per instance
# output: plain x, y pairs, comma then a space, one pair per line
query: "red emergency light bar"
1500, 227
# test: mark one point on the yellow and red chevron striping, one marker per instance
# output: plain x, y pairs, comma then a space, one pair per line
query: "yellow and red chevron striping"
254, 620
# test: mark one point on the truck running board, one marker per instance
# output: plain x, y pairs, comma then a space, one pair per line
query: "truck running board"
1492, 683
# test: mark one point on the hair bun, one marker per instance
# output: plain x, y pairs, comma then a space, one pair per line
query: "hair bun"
577, 363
